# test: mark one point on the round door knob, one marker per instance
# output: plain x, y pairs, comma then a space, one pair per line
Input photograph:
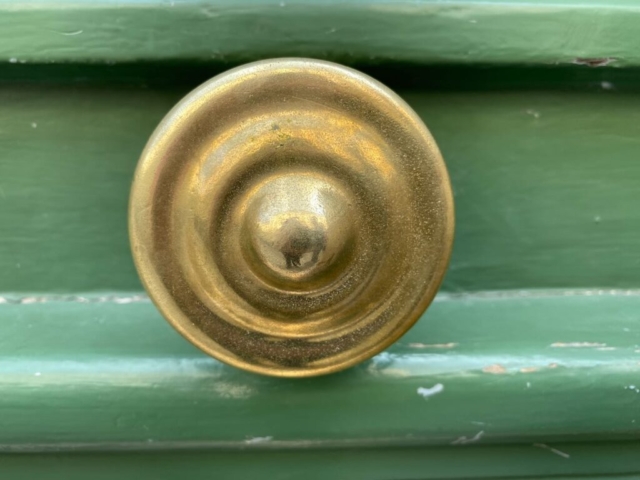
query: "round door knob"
291, 217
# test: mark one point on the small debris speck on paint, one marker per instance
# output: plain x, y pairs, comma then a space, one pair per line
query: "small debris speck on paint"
429, 392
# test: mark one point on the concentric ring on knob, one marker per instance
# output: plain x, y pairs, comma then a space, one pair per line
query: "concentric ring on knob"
291, 217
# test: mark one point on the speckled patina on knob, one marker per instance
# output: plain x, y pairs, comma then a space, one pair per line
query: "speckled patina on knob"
291, 217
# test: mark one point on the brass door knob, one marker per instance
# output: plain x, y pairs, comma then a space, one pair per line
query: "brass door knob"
291, 217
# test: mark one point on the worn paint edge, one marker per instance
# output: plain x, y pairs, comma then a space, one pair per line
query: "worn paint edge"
129, 297
405, 31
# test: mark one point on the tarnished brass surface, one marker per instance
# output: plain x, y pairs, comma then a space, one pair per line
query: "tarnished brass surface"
291, 217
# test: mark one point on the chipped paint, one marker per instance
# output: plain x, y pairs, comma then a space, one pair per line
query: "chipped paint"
28, 300
528, 369
594, 62
465, 440
495, 369
233, 390
71, 34
383, 364
553, 450
578, 345
429, 392
551, 293
433, 345
256, 440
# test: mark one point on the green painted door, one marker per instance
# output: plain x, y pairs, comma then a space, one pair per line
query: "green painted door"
526, 365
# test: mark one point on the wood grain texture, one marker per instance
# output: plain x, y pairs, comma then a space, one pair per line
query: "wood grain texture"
106, 372
587, 33
545, 183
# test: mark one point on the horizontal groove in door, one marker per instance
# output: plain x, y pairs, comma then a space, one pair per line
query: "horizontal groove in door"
105, 371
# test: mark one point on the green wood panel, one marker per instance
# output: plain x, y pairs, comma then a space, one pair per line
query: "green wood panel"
592, 461
545, 181
465, 31
107, 372
544, 164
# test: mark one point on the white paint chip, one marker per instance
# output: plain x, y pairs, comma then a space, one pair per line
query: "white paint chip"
433, 345
254, 440
578, 345
465, 440
74, 299
429, 392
